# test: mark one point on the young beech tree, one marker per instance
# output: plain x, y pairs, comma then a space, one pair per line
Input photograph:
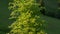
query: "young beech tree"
27, 15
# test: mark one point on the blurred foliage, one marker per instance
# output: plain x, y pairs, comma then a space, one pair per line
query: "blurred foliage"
2, 32
52, 8
27, 15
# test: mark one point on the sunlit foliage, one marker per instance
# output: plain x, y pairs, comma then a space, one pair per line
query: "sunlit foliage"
27, 15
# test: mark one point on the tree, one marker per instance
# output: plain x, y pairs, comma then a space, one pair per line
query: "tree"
27, 15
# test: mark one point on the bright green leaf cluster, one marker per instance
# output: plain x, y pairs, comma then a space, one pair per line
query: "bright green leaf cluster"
27, 13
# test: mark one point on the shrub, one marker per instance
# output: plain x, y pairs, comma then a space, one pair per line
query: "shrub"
27, 14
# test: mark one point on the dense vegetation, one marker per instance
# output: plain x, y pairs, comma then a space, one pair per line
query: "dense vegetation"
50, 8
27, 15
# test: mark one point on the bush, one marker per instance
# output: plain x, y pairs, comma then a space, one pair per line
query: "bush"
27, 14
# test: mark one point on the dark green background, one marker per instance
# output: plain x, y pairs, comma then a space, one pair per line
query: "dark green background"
4, 14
